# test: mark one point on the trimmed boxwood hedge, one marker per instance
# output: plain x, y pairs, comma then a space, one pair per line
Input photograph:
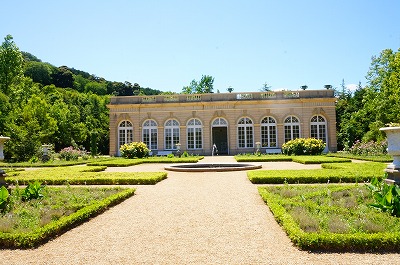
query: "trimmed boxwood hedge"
333, 173
381, 241
123, 162
381, 158
263, 158
319, 159
304, 159
55, 228
102, 178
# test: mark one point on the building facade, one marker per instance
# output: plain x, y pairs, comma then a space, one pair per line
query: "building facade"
234, 122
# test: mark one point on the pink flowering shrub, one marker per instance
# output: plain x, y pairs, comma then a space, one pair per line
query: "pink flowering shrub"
69, 153
369, 148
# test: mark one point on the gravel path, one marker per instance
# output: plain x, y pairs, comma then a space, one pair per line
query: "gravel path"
189, 218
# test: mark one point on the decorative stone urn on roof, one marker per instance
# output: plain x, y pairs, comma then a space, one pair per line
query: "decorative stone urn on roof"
393, 169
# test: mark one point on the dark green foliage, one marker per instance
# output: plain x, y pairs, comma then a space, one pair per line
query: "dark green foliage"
53, 105
93, 142
387, 197
33, 191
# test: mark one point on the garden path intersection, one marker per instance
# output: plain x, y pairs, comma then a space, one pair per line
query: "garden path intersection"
189, 218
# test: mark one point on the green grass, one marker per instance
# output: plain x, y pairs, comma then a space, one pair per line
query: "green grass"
262, 158
54, 163
332, 218
319, 159
82, 175
331, 172
26, 224
376, 158
124, 162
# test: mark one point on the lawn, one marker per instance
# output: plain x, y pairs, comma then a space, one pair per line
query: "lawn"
375, 158
317, 159
124, 162
332, 217
330, 172
28, 223
82, 175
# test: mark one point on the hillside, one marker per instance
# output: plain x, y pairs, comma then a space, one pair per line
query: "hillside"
81, 81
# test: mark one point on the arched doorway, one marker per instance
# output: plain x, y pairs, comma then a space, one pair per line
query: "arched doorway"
219, 128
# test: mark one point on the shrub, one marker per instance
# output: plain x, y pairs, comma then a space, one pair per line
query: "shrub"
69, 153
135, 149
303, 146
369, 148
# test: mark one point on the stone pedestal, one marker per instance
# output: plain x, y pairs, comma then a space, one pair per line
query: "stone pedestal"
393, 176
393, 170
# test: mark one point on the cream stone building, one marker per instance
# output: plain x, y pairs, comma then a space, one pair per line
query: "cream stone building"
234, 122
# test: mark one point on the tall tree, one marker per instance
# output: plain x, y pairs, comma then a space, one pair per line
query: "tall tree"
205, 85
11, 64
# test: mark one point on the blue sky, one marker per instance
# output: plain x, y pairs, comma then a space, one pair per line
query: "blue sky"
243, 44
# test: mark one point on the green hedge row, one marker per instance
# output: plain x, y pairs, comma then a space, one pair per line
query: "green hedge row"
103, 178
319, 159
381, 158
340, 172
43, 234
306, 159
123, 162
329, 241
263, 158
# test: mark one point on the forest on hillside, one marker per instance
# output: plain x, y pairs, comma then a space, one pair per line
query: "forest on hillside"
61, 106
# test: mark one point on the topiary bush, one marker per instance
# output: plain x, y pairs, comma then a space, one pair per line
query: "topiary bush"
303, 146
135, 149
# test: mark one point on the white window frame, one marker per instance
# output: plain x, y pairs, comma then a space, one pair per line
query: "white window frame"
268, 127
194, 126
150, 134
245, 129
172, 129
318, 128
292, 124
125, 133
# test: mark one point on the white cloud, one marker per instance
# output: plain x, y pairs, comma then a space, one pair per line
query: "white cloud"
352, 87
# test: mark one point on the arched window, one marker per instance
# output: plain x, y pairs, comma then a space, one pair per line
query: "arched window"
150, 134
194, 134
245, 133
318, 128
220, 122
268, 132
171, 134
292, 128
125, 133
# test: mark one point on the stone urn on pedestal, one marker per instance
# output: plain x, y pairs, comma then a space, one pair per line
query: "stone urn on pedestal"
393, 169
2, 172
